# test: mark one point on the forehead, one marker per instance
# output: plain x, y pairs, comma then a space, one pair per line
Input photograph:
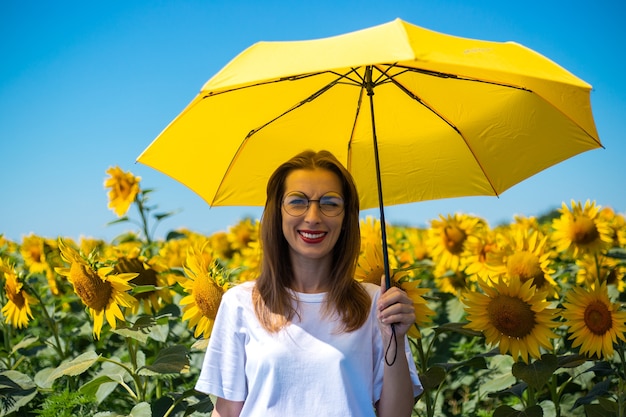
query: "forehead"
312, 182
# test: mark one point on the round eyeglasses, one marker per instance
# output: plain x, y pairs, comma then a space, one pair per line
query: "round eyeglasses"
297, 203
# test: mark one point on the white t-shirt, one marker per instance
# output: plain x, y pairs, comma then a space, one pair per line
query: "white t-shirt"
307, 369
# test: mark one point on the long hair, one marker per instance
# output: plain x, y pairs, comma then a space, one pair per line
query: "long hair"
273, 302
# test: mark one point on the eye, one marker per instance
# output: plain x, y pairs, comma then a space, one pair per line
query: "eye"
296, 200
331, 201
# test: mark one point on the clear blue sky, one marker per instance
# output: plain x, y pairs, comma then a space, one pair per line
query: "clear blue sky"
85, 85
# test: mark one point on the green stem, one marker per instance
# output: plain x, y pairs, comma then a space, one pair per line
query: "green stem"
144, 219
621, 397
132, 353
52, 324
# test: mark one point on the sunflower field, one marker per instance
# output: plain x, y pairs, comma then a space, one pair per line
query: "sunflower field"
520, 319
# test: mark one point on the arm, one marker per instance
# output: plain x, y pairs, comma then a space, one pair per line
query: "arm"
394, 306
227, 408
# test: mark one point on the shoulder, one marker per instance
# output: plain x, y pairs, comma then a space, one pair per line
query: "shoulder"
372, 289
239, 293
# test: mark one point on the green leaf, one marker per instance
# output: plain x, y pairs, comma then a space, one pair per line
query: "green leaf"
139, 335
74, 367
24, 343
476, 362
173, 234
91, 388
507, 411
16, 390
161, 216
596, 410
171, 360
117, 221
433, 377
457, 328
571, 361
600, 389
141, 410
617, 253
536, 374
139, 289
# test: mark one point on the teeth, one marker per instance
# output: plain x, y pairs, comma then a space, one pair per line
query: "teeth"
312, 235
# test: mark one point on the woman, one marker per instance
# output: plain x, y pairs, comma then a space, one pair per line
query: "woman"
306, 339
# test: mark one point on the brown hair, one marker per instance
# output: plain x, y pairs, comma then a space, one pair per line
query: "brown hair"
272, 299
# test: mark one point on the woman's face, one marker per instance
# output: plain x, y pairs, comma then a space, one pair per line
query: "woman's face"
312, 234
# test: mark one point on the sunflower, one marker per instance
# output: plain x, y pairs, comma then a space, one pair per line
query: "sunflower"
124, 187
617, 224
594, 322
581, 230
512, 314
244, 232
151, 274
101, 291
423, 313
601, 268
205, 286
452, 282
413, 247
33, 250
248, 262
528, 257
448, 238
480, 258
370, 265
17, 309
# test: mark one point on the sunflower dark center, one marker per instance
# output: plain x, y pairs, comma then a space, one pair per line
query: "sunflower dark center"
208, 296
511, 316
454, 238
526, 266
91, 289
145, 277
583, 231
598, 318
16, 297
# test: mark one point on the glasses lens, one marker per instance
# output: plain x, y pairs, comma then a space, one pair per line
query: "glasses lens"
331, 205
296, 204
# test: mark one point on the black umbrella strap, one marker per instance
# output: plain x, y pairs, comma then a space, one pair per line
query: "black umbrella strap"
394, 339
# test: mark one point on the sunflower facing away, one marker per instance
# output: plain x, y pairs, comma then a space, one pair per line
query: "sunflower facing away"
513, 315
204, 292
124, 187
101, 291
17, 309
581, 230
594, 322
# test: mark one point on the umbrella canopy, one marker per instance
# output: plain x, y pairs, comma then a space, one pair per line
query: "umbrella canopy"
452, 116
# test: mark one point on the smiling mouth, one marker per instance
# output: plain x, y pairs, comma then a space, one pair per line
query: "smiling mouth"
312, 236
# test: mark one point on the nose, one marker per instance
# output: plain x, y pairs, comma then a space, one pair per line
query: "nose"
314, 212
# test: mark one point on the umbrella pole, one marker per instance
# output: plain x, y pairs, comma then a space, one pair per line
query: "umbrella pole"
369, 86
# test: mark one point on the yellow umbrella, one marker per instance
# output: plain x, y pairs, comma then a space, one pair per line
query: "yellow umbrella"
413, 114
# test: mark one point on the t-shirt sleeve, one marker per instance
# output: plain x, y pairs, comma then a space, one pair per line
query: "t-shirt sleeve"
223, 368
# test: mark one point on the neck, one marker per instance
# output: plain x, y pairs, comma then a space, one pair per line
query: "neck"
311, 275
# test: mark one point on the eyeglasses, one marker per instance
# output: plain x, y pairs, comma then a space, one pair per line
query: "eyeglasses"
296, 204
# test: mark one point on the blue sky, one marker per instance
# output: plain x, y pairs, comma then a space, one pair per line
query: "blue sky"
85, 85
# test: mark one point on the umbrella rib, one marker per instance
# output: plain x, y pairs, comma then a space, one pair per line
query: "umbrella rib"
449, 123
306, 100
316, 94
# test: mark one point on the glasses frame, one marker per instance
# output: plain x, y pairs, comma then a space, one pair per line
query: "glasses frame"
309, 201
